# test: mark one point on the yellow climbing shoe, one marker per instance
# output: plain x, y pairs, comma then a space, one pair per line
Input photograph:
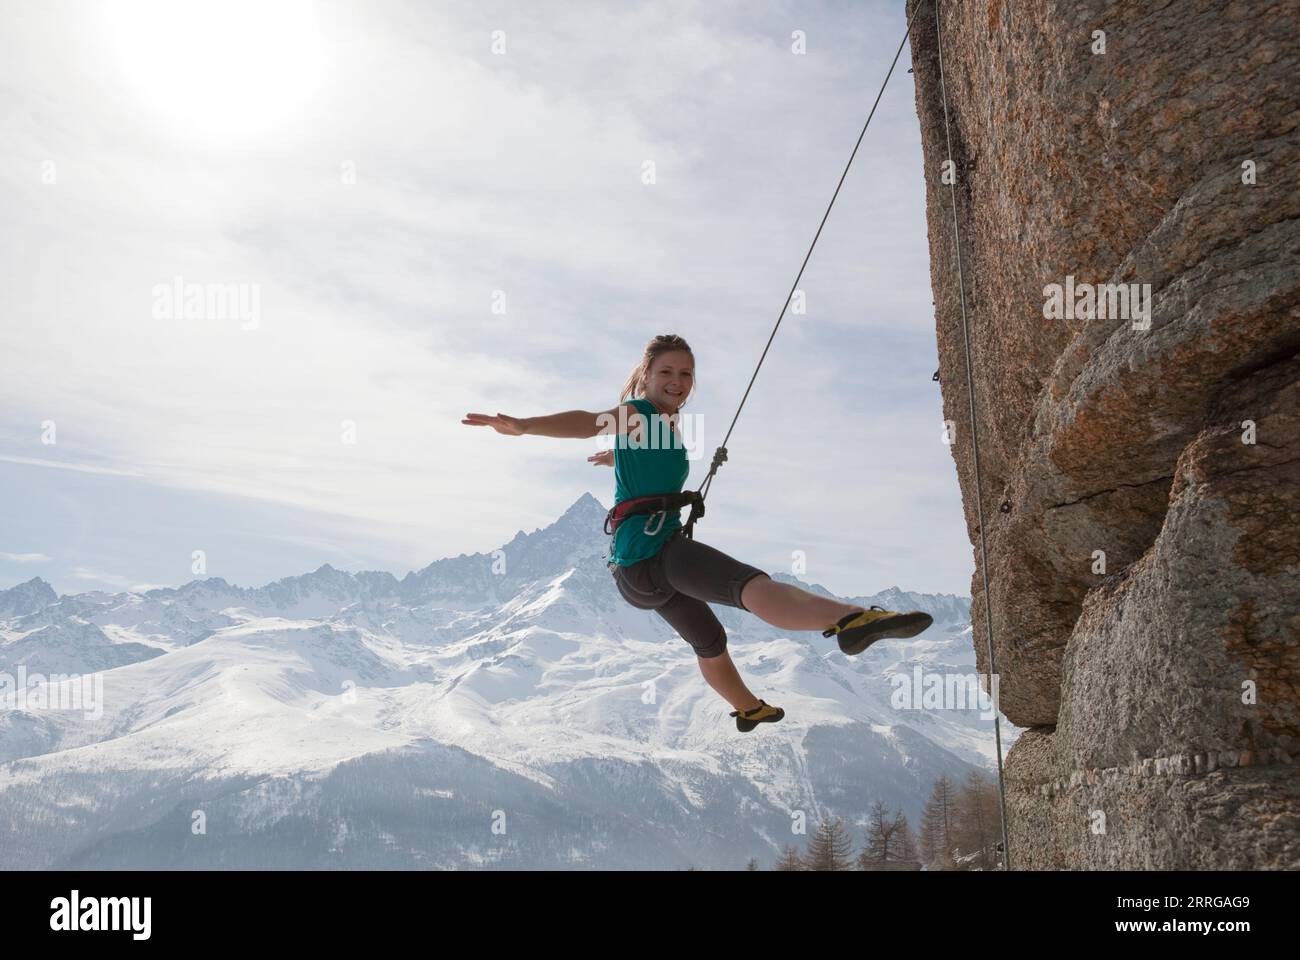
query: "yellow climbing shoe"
859, 630
747, 720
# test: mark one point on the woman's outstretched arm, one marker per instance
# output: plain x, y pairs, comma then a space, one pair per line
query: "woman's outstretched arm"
576, 424
571, 423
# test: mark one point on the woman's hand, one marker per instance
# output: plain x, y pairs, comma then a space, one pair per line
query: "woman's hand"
510, 426
603, 459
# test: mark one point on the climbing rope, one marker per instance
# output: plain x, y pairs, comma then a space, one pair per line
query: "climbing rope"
720, 455
975, 441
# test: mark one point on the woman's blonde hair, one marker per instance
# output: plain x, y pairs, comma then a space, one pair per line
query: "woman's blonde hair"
635, 385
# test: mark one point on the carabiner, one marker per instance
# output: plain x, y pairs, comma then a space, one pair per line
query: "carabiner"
662, 515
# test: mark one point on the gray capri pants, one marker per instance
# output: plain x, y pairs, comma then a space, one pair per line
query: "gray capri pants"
679, 583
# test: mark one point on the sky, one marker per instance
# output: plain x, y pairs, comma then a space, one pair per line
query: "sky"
420, 211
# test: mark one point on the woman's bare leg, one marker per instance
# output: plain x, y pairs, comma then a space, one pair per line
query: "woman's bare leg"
781, 605
722, 676
786, 606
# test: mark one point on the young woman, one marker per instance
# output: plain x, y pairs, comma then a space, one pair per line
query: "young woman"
656, 568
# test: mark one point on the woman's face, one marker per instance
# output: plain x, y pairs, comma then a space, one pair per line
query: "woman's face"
669, 383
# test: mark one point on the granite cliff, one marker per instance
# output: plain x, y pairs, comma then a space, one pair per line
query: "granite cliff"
1127, 185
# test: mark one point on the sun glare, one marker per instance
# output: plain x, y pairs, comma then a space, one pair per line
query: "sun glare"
220, 68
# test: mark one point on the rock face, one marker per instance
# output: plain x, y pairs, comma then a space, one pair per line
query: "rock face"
1140, 472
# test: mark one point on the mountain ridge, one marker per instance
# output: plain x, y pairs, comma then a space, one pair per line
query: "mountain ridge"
523, 662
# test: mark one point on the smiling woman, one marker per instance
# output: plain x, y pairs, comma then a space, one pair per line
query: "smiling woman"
656, 563
216, 68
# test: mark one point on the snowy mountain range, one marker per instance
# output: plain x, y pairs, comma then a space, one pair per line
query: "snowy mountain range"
505, 709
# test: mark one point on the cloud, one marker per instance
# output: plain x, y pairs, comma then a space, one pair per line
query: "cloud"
115, 581
483, 179
97, 576
66, 465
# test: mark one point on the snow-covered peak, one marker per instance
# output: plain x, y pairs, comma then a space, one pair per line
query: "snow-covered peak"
26, 598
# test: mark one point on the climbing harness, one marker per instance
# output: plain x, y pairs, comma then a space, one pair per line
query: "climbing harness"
658, 504
661, 503
975, 442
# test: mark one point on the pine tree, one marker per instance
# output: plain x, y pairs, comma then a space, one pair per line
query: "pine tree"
789, 859
753, 864
831, 848
929, 833
906, 841
938, 836
978, 826
882, 836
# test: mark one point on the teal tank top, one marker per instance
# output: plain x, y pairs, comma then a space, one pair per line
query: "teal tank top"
639, 472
